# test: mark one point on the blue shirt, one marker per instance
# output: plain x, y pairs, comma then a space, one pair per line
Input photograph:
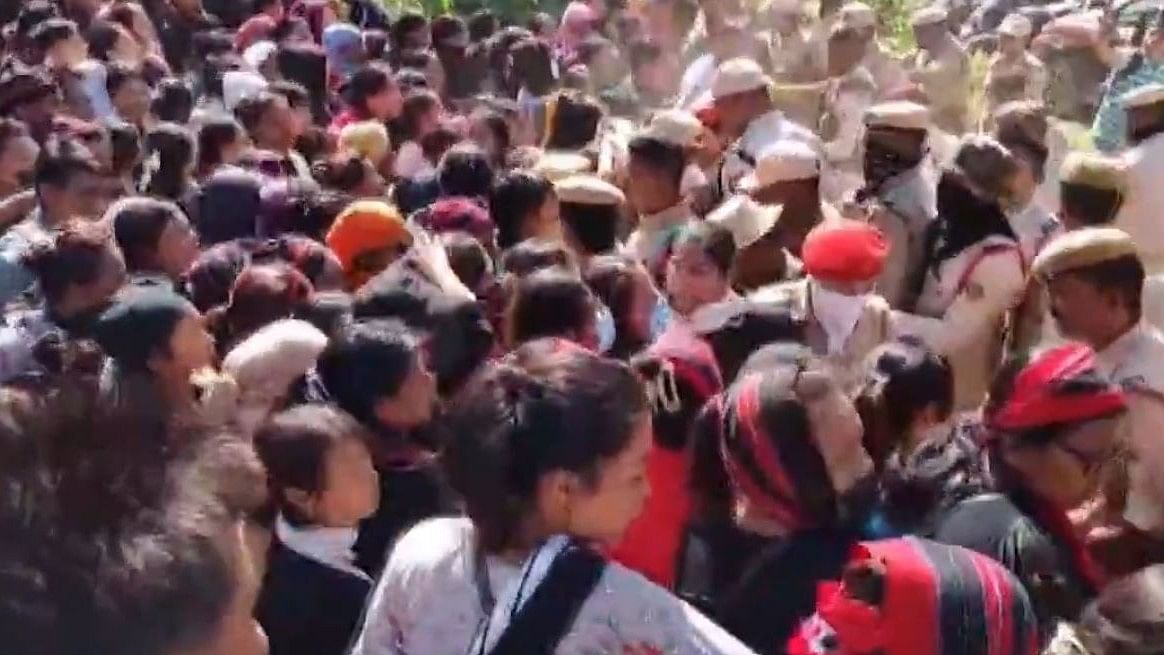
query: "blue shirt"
1109, 131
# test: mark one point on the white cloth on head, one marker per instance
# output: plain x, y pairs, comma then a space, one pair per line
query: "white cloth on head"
266, 363
93, 83
239, 85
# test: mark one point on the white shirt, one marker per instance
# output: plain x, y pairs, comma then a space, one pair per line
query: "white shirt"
695, 86
1141, 215
427, 603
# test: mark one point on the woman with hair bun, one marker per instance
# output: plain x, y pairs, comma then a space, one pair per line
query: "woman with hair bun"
548, 450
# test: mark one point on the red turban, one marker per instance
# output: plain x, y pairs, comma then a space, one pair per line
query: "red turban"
844, 251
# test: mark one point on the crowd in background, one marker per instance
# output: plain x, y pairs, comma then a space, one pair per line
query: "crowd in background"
659, 326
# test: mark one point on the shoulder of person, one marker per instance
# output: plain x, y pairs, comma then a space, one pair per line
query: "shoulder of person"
1143, 371
792, 294
429, 545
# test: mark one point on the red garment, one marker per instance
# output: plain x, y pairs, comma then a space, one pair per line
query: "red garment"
844, 251
342, 120
1060, 386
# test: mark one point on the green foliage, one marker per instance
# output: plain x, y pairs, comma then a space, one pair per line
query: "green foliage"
514, 9
894, 15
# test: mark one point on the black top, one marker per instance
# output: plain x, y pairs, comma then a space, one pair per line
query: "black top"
309, 608
408, 494
757, 588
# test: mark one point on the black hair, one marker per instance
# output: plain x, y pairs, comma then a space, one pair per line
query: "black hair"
482, 24
328, 311
296, 94
369, 80
61, 161
1122, 275
548, 303
407, 23
595, 227
344, 172
75, 255
214, 134
467, 257
715, 240
1089, 205
535, 254
125, 140
53, 31
903, 378
252, 111
575, 122
496, 431
173, 101
307, 66
445, 26
612, 279
366, 362
411, 79
667, 158
439, 141
138, 224
533, 66
101, 36
498, 127
118, 75
417, 103
174, 147
464, 170
293, 446
514, 197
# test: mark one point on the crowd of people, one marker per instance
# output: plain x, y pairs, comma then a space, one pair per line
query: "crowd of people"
662, 326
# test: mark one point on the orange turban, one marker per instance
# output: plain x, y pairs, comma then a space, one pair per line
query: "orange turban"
366, 226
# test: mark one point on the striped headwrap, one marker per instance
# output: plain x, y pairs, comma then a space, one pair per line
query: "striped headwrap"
912, 596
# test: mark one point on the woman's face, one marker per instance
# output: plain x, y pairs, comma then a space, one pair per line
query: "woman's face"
191, 347
1066, 471
351, 490
413, 405
177, 247
430, 120
132, 100
602, 511
693, 280
386, 105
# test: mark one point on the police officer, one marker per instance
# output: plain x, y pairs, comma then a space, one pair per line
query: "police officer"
1095, 277
941, 68
1140, 215
888, 74
849, 91
1014, 73
898, 196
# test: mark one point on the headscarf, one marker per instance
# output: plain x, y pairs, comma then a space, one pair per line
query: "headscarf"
240, 85
138, 323
934, 599
365, 226
457, 214
777, 468
228, 206
257, 28
1061, 386
344, 45
680, 377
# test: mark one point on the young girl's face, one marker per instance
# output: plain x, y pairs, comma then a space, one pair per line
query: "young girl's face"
693, 280
351, 491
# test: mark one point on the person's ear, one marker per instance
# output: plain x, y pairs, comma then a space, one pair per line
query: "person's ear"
556, 494
304, 502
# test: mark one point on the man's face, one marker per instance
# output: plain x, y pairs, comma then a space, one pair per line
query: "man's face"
18, 163
132, 100
418, 39
1081, 310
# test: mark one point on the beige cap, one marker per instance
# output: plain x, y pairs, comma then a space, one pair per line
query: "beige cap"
783, 161
1015, 25
746, 219
1093, 170
899, 114
556, 165
588, 190
929, 16
673, 126
858, 16
1149, 94
738, 75
1083, 247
